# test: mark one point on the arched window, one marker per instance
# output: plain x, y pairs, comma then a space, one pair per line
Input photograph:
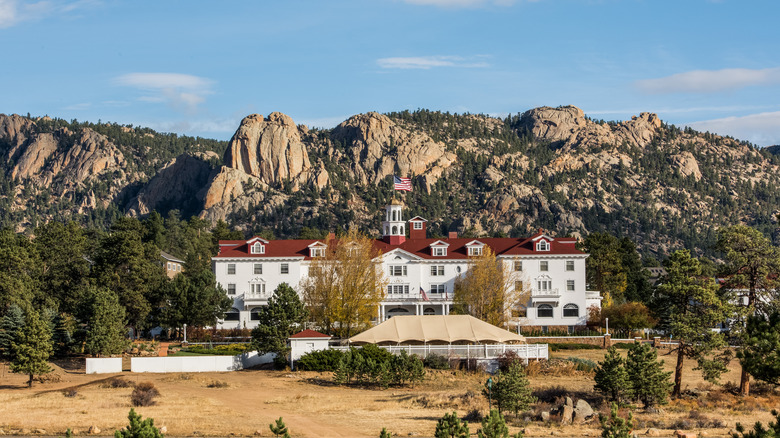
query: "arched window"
395, 230
387, 230
397, 311
258, 248
232, 315
571, 310
544, 311
402, 230
429, 311
543, 245
395, 215
254, 314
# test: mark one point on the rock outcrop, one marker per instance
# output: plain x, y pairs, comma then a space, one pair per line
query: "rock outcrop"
175, 186
379, 147
269, 149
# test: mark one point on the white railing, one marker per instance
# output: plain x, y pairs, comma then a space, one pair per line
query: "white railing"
256, 296
417, 297
545, 292
473, 351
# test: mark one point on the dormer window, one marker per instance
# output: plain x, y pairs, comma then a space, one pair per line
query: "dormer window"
439, 248
258, 248
417, 225
542, 245
317, 252
474, 248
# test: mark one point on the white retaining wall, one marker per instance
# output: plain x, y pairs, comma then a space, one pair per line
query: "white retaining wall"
197, 364
104, 365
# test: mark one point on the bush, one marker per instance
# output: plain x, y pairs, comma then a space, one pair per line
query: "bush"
437, 362
70, 393
118, 382
572, 346
144, 394
219, 350
217, 384
585, 365
356, 366
506, 359
323, 360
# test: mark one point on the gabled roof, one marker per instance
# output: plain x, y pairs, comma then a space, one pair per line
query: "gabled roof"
417, 219
256, 239
308, 333
420, 248
318, 244
170, 258
475, 243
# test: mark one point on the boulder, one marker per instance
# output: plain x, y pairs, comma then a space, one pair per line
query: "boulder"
653, 432
567, 414
93, 430
164, 429
680, 434
582, 411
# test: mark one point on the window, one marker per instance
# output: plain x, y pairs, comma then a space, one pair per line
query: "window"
417, 225
544, 311
571, 310
544, 285
169, 266
258, 289
544, 265
437, 270
475, 251
254, 315
231, 289
398, 289
285, 268
569, 265
518, 266
520, 312
258, 268
233, 315
437, 289
518, 286
545, 329
398, 270
318, 252
543, 245
231, 268
258, 248
439, 251
570, 285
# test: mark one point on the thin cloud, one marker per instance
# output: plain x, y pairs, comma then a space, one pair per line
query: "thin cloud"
427, 62
460, 3
181, 91
13, 12
762, 129
710, 81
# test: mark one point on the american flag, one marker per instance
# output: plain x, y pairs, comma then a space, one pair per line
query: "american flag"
424, 295
404, 184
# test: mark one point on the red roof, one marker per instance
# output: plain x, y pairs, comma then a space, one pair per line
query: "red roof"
508, 246
309, 334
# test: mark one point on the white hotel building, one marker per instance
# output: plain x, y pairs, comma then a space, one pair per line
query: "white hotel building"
552, 269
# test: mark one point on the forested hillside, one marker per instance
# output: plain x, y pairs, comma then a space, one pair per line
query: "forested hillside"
554, 168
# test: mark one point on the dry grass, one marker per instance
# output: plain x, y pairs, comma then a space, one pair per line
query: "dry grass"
246, 401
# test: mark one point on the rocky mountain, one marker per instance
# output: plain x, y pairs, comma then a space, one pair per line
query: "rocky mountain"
554, 168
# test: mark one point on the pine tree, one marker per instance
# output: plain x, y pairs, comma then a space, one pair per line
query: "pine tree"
62, 340
10, 325
494, 426
106, 328
31, 351
690, 306
649, 383
279, 429
450, 426
612, 378
139, 428
281, 318
760, 353
511, 390
616, 426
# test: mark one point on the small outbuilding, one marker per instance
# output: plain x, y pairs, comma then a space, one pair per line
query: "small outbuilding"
306, 342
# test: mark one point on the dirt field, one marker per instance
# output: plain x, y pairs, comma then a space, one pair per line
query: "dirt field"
311, 406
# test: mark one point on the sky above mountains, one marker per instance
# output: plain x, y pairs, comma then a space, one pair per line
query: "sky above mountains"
199, 67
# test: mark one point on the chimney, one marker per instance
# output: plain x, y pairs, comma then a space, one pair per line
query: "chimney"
453, 235
331, 236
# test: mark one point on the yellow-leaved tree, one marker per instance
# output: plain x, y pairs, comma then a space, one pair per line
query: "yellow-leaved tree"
487, 290
344, 287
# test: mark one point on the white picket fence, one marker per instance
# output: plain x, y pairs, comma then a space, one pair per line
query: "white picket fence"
475, 351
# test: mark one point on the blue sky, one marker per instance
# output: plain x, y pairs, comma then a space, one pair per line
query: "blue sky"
198, 67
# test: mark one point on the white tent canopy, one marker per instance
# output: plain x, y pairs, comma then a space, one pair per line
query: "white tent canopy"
438, 329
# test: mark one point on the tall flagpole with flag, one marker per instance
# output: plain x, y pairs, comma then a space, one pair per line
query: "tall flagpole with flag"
424, 295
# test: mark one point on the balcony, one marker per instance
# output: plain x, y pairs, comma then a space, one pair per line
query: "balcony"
256, 299
416, 298
544, 296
